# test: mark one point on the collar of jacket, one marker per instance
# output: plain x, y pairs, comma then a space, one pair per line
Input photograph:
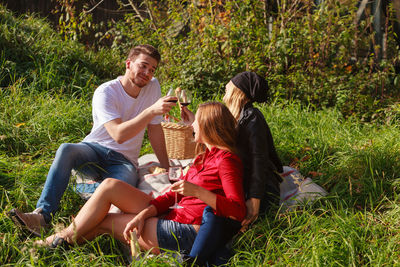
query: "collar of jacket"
246, 112
208, 154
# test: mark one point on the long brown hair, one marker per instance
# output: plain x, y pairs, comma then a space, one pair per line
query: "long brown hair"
235, 99
217, 125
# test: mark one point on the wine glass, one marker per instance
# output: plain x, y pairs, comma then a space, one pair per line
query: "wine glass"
171, 92
175, 174
185, 97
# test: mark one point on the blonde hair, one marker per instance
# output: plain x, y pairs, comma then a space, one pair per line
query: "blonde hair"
217, 125
235, 99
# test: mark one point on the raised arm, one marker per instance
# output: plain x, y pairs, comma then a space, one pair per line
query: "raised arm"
187, 115
122, 131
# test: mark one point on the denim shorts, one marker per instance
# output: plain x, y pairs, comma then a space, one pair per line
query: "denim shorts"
175, 236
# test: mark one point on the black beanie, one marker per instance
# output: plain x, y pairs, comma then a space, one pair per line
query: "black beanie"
253, 85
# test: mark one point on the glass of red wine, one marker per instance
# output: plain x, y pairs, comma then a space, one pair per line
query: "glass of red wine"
171, 92
185, 97
175, 174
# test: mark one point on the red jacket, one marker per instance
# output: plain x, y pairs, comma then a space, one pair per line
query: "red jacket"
221, 173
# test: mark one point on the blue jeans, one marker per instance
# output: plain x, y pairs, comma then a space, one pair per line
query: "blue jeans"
210, 246
91, 159
214, 233
175, 236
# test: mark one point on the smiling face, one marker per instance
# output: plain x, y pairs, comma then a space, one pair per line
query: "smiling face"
140, 70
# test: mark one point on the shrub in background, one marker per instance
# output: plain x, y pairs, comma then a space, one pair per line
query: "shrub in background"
316, 54
46, 85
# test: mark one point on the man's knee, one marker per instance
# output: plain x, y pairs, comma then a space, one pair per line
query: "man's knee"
67, 150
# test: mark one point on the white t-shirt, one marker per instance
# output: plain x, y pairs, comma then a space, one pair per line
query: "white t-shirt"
110, 101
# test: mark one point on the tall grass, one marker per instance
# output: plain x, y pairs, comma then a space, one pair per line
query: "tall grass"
44, 101
46, 84
356, 224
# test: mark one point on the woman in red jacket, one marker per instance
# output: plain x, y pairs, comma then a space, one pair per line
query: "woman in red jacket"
261, 166
214, 179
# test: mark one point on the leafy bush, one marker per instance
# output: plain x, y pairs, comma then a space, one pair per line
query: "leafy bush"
35, 55
316, 54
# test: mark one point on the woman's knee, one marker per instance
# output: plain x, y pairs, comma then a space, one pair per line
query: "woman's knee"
111, 184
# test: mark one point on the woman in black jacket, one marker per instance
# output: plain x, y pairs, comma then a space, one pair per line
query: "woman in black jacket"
255, 144
260, 160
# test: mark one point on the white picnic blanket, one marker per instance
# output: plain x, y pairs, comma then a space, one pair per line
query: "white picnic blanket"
155, 184
152, 184
295, 189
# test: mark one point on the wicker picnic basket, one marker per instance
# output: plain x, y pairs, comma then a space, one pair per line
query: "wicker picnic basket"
179, 140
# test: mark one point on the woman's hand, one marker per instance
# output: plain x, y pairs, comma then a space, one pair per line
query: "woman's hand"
253, 208
136, 223
186, 188
186, 115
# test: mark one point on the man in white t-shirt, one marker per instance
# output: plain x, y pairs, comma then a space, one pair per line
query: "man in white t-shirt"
122, 109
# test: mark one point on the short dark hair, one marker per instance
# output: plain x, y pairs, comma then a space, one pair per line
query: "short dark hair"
144, 49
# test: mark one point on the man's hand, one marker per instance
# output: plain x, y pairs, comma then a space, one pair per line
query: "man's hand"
122, 131
253, 208
187, 116
163, 105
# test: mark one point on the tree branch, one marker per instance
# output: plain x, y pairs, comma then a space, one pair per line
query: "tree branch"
148, 6
136, 10
360, 11
94, 7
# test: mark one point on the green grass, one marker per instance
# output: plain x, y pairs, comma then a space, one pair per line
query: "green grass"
45, 97
356, 224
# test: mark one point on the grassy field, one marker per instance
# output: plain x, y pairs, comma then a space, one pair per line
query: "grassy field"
45, 93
